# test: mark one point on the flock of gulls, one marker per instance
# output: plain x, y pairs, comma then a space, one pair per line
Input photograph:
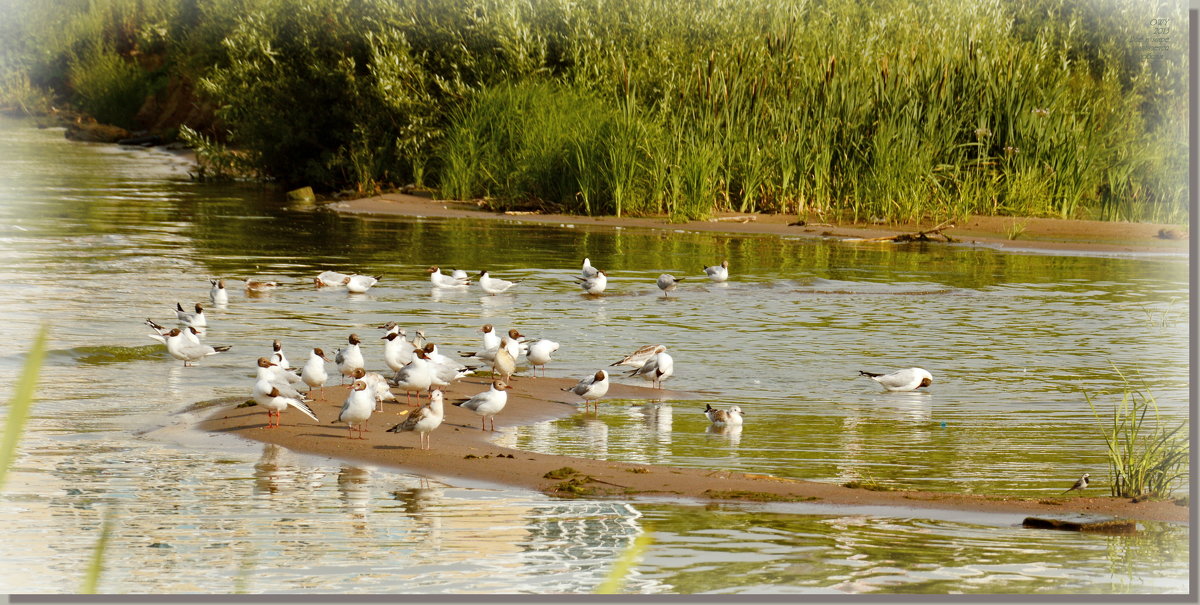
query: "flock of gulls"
419, 368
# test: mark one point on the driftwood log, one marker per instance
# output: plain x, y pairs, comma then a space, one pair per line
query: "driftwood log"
919, 236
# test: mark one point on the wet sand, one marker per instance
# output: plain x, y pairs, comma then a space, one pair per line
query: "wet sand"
1040, 234
460, 450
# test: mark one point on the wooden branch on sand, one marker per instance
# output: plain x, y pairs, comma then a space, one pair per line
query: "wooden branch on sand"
919, 236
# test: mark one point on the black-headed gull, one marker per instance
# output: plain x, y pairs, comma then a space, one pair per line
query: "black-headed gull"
190, 333
269, 375
460, 275
258, 286
1082, 483
377, 384
188, 351
487, 404
656, 369
397, 351
350, 358
639, 357
331, 279
277, 356
361, 283
591, 388
275, 403
494, 286
588, 271
539, 353
445, 370
423, 420
595, 284
718, 273
908, 379
196, 319
416, 376
730, 417
357, 408
491, 342
667, 282
218, 294
445, 281
313, 373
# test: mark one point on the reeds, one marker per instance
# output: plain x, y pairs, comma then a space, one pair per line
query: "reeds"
1147, 456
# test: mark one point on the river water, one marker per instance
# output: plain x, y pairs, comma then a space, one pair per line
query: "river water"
95, 238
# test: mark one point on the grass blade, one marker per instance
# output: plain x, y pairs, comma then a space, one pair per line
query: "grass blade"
21, 403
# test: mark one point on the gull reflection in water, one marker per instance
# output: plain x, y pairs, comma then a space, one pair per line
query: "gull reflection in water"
354, 485
733, 433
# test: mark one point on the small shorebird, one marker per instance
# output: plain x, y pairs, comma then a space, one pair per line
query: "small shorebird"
1080, 484
908, 379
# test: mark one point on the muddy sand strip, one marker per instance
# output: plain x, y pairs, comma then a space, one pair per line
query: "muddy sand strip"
461, 450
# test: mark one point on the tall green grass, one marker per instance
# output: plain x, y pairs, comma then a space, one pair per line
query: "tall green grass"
1147, 455
21, 402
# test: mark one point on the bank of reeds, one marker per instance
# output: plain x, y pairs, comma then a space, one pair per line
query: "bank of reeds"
895, 111
1148, 456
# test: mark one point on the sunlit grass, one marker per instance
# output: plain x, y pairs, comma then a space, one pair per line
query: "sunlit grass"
21, 403
624, 565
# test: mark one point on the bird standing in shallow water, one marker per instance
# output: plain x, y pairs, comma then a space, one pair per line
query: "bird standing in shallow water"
591, 388
667, 282
218, 294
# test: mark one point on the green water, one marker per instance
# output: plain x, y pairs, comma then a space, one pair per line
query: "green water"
94, 239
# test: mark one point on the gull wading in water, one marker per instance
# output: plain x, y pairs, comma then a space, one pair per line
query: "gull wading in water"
588, 271
494, 286
218, 294
639, 357
445, 281
730, 417
667, 282
595, 284
487, 404
256, 286
718, 273
423, 420
195, 320
591, 388
908, 379
329, 279
188, 351
656, 369
361, 283
189, 333
357, 408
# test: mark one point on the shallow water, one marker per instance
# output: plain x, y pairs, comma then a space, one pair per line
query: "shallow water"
94, 239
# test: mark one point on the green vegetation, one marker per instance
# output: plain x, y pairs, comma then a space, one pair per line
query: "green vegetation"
896, 111
624, 565
1145, 459
21, 403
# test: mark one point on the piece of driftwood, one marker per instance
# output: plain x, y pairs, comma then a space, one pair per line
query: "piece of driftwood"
1086, 523
733, 219
919, 236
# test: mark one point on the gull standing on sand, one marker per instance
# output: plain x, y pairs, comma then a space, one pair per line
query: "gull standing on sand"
445, 370
423, 420
275, 402
487, 404
505, 363
908, 379
189, 351
269, 375
445, 281
377, 384
1081, 484
416, 376
313, 373
350, 358
218, 294
361, 283
357, 408
639, 357
277, 356
667, 282
718, 273
492, 285
491, 342
397, 352
595, 284
195, 320
656, 369
591, 388
730, 417
539, 353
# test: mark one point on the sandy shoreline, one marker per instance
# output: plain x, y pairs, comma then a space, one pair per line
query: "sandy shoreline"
461, 450
1040, 234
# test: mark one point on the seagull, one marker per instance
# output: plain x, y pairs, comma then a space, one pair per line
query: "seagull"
491, 342
269, 375
331, 278
591, 388
668, 282
196, 320
361, 283
717, 273
377, 384
539, 353
357, 408
445, 281
392, 327
909, 379
277, 356
505, 363
349, 358
445, 370
1081, 484
255, 286
460, 275
639, 357
595, 284
190, 333
493, 286
276, 403
218, 294
313, 373
187, 351
488, 403
397, 352
730, 417
423, 420
656, 369
416, 376
588, 271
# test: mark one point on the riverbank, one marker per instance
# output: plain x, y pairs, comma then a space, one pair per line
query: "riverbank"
461, 450
1040, 234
